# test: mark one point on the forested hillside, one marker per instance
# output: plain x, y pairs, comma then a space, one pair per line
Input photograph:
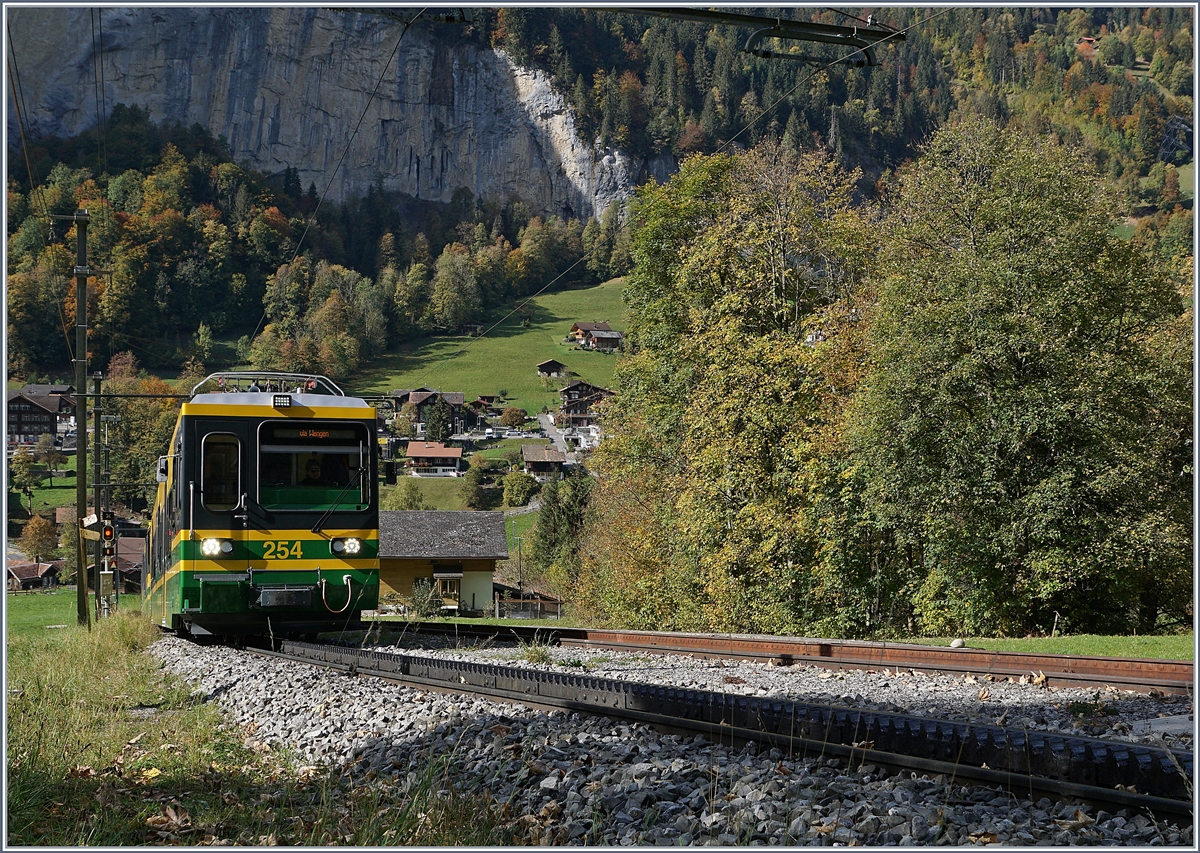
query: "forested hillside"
965, 410
195, 247
1108, 79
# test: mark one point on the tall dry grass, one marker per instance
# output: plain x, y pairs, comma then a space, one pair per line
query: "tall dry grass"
105, 749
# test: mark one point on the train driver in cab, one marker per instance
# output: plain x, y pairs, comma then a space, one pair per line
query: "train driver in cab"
312, 474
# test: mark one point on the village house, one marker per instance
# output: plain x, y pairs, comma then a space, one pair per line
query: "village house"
603, 341
432, 459
580, 331
462, 418
542, 461
31, 416
60, 397
33, 575
579, 400
552, 367
455, 551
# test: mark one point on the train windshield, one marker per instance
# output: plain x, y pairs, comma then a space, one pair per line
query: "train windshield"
314, 466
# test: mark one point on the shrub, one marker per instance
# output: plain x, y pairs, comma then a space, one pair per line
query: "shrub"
519, 487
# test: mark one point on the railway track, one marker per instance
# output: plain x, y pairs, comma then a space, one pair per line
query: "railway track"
1143, 675
1108, 773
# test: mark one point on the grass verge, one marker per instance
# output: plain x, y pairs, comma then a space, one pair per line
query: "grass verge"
1155, 647
104, 749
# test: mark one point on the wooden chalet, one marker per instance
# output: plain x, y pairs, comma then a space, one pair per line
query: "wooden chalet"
579, 401
603, 341
552, 367
542, 461
455, 551
580, 331
34, 575
31, 415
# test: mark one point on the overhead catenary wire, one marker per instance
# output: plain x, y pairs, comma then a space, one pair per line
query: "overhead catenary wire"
98, 86
35, 195
725, 146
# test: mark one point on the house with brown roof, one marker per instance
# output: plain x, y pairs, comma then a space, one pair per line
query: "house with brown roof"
455, 551
31, 416
579, 401
542, 461
552, 367
432, 459
462, 417
580, 331
33, 575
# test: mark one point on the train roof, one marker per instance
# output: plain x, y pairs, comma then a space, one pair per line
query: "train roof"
273, 394
267, 398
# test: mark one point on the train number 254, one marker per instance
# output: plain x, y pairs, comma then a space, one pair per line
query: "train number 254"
280, 550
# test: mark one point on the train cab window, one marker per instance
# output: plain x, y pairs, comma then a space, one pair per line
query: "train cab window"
220, 483
314, 466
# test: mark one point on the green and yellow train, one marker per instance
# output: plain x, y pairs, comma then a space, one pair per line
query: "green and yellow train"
266, 520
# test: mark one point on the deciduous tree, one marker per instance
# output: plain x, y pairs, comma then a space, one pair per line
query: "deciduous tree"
1014, 410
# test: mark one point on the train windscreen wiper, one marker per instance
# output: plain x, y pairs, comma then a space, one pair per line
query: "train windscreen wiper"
359, 472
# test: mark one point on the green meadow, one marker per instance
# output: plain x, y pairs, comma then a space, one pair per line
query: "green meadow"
506, 357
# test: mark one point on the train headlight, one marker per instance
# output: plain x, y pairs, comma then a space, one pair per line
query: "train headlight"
216, 547
346, 547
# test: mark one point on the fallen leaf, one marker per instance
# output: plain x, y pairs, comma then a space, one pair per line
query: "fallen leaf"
781, 769
733, 679
984, 837
499, 730
970, 679
864, 744
79, 771
135, 739
1039, 677
1080, 820
825, 830
984, 694
826, 674
151, 773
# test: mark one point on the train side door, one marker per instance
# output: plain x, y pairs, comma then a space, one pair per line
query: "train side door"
221, 494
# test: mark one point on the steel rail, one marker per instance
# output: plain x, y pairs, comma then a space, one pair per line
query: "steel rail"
1143, 675
1037, 763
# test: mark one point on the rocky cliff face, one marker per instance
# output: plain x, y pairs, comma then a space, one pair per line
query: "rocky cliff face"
288, 87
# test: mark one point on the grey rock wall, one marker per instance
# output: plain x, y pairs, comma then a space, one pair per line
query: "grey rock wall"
288, 86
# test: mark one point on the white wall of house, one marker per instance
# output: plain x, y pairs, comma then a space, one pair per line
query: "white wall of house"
479, 586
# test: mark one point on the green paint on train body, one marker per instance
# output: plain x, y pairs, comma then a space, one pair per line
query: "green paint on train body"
278, 550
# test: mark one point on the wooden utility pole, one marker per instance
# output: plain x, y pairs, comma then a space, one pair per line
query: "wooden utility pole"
81, 219
96, 412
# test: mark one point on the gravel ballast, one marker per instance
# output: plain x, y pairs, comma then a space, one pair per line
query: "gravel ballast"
563, 778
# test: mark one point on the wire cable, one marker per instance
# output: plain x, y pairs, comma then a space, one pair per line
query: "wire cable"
35, 196
313, 216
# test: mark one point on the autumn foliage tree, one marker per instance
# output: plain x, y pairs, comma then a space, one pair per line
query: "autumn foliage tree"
39, 538
1016, 425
